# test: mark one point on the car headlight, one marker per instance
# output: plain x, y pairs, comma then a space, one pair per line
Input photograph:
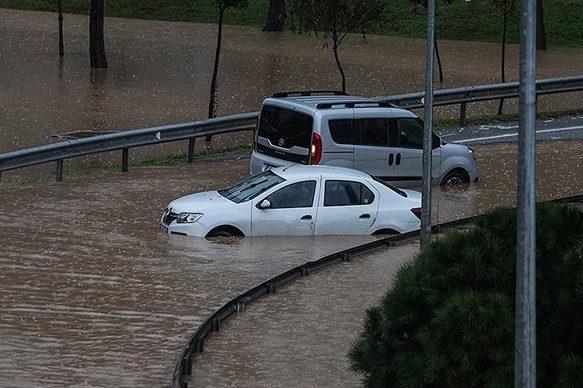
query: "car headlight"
188, 218
471, 151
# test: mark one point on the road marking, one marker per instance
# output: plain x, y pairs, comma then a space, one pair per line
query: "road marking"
476, 139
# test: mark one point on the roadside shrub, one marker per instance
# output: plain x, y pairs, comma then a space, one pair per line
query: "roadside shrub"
448, 320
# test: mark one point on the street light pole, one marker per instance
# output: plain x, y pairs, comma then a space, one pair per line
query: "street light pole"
428, 126
525, 335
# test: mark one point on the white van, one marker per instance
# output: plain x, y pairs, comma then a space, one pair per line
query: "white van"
333, 128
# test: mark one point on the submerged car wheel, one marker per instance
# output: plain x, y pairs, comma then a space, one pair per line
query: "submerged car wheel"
225, 231
454, 178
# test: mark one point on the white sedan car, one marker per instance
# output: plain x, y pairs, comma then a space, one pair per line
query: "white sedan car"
299, 200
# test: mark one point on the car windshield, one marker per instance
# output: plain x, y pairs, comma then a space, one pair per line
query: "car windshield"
251, 187
390, 186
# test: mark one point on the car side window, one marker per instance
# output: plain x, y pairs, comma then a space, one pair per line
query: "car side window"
346, 193
300, 194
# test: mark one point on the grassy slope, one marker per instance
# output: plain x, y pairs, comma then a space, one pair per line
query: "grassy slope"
474, 20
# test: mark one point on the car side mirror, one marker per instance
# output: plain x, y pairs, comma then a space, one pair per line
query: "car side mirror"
265, 204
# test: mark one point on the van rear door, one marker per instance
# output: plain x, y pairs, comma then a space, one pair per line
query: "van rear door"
284, 134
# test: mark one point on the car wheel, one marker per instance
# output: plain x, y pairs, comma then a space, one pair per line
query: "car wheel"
220, 233
453, 178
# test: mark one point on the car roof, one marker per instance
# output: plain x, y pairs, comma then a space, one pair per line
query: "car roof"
302, 170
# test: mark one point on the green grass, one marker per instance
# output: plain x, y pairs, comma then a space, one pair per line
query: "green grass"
475, 20
32, 180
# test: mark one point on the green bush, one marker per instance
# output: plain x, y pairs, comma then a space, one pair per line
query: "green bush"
448, 321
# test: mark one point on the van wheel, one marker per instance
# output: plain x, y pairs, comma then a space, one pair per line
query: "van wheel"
454, 178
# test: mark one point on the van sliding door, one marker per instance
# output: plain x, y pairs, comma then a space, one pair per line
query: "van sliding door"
372, 152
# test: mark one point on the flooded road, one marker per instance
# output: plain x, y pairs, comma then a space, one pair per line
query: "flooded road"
91, 295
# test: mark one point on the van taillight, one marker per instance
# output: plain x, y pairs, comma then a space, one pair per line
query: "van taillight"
255, 134
416, 211
316, 150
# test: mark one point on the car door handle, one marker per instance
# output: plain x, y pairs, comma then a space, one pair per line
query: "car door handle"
364, 216
306, 217
398, 162
391, 159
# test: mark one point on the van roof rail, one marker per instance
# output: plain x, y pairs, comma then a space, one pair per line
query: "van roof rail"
353, 104
310, 93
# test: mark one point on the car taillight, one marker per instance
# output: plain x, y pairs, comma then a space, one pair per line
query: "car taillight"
316, 150
416, 211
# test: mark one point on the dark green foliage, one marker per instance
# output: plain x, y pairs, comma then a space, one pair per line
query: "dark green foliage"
461, 20
448, 321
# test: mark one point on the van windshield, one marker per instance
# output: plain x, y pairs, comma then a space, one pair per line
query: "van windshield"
285, 128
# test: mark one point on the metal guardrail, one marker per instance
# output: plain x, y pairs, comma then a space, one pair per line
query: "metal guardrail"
470, 94
196, 342
124, 140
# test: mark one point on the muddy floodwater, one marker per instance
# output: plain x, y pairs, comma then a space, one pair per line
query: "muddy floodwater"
92, 295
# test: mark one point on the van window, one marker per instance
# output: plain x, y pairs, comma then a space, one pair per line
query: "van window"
343, 132
410, 132
374, 132
285, 128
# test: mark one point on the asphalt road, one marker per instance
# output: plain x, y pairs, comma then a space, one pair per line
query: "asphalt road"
563, 128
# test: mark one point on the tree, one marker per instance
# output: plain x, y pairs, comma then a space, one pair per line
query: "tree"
541, 34
335, 19
437, 56
222, 6
507, 7
60, 18
96, 40
276, 16
448, 320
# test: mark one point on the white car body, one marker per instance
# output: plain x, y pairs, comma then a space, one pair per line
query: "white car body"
297, 200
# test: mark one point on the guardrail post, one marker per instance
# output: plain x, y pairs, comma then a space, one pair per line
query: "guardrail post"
191, 149
125, 159
463, 110
60, 170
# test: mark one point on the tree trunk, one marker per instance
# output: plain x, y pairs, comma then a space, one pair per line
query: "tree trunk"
60, 17
96, 40
541, 34
438, 57
340, 69
213, 93
276, 16
503, 61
